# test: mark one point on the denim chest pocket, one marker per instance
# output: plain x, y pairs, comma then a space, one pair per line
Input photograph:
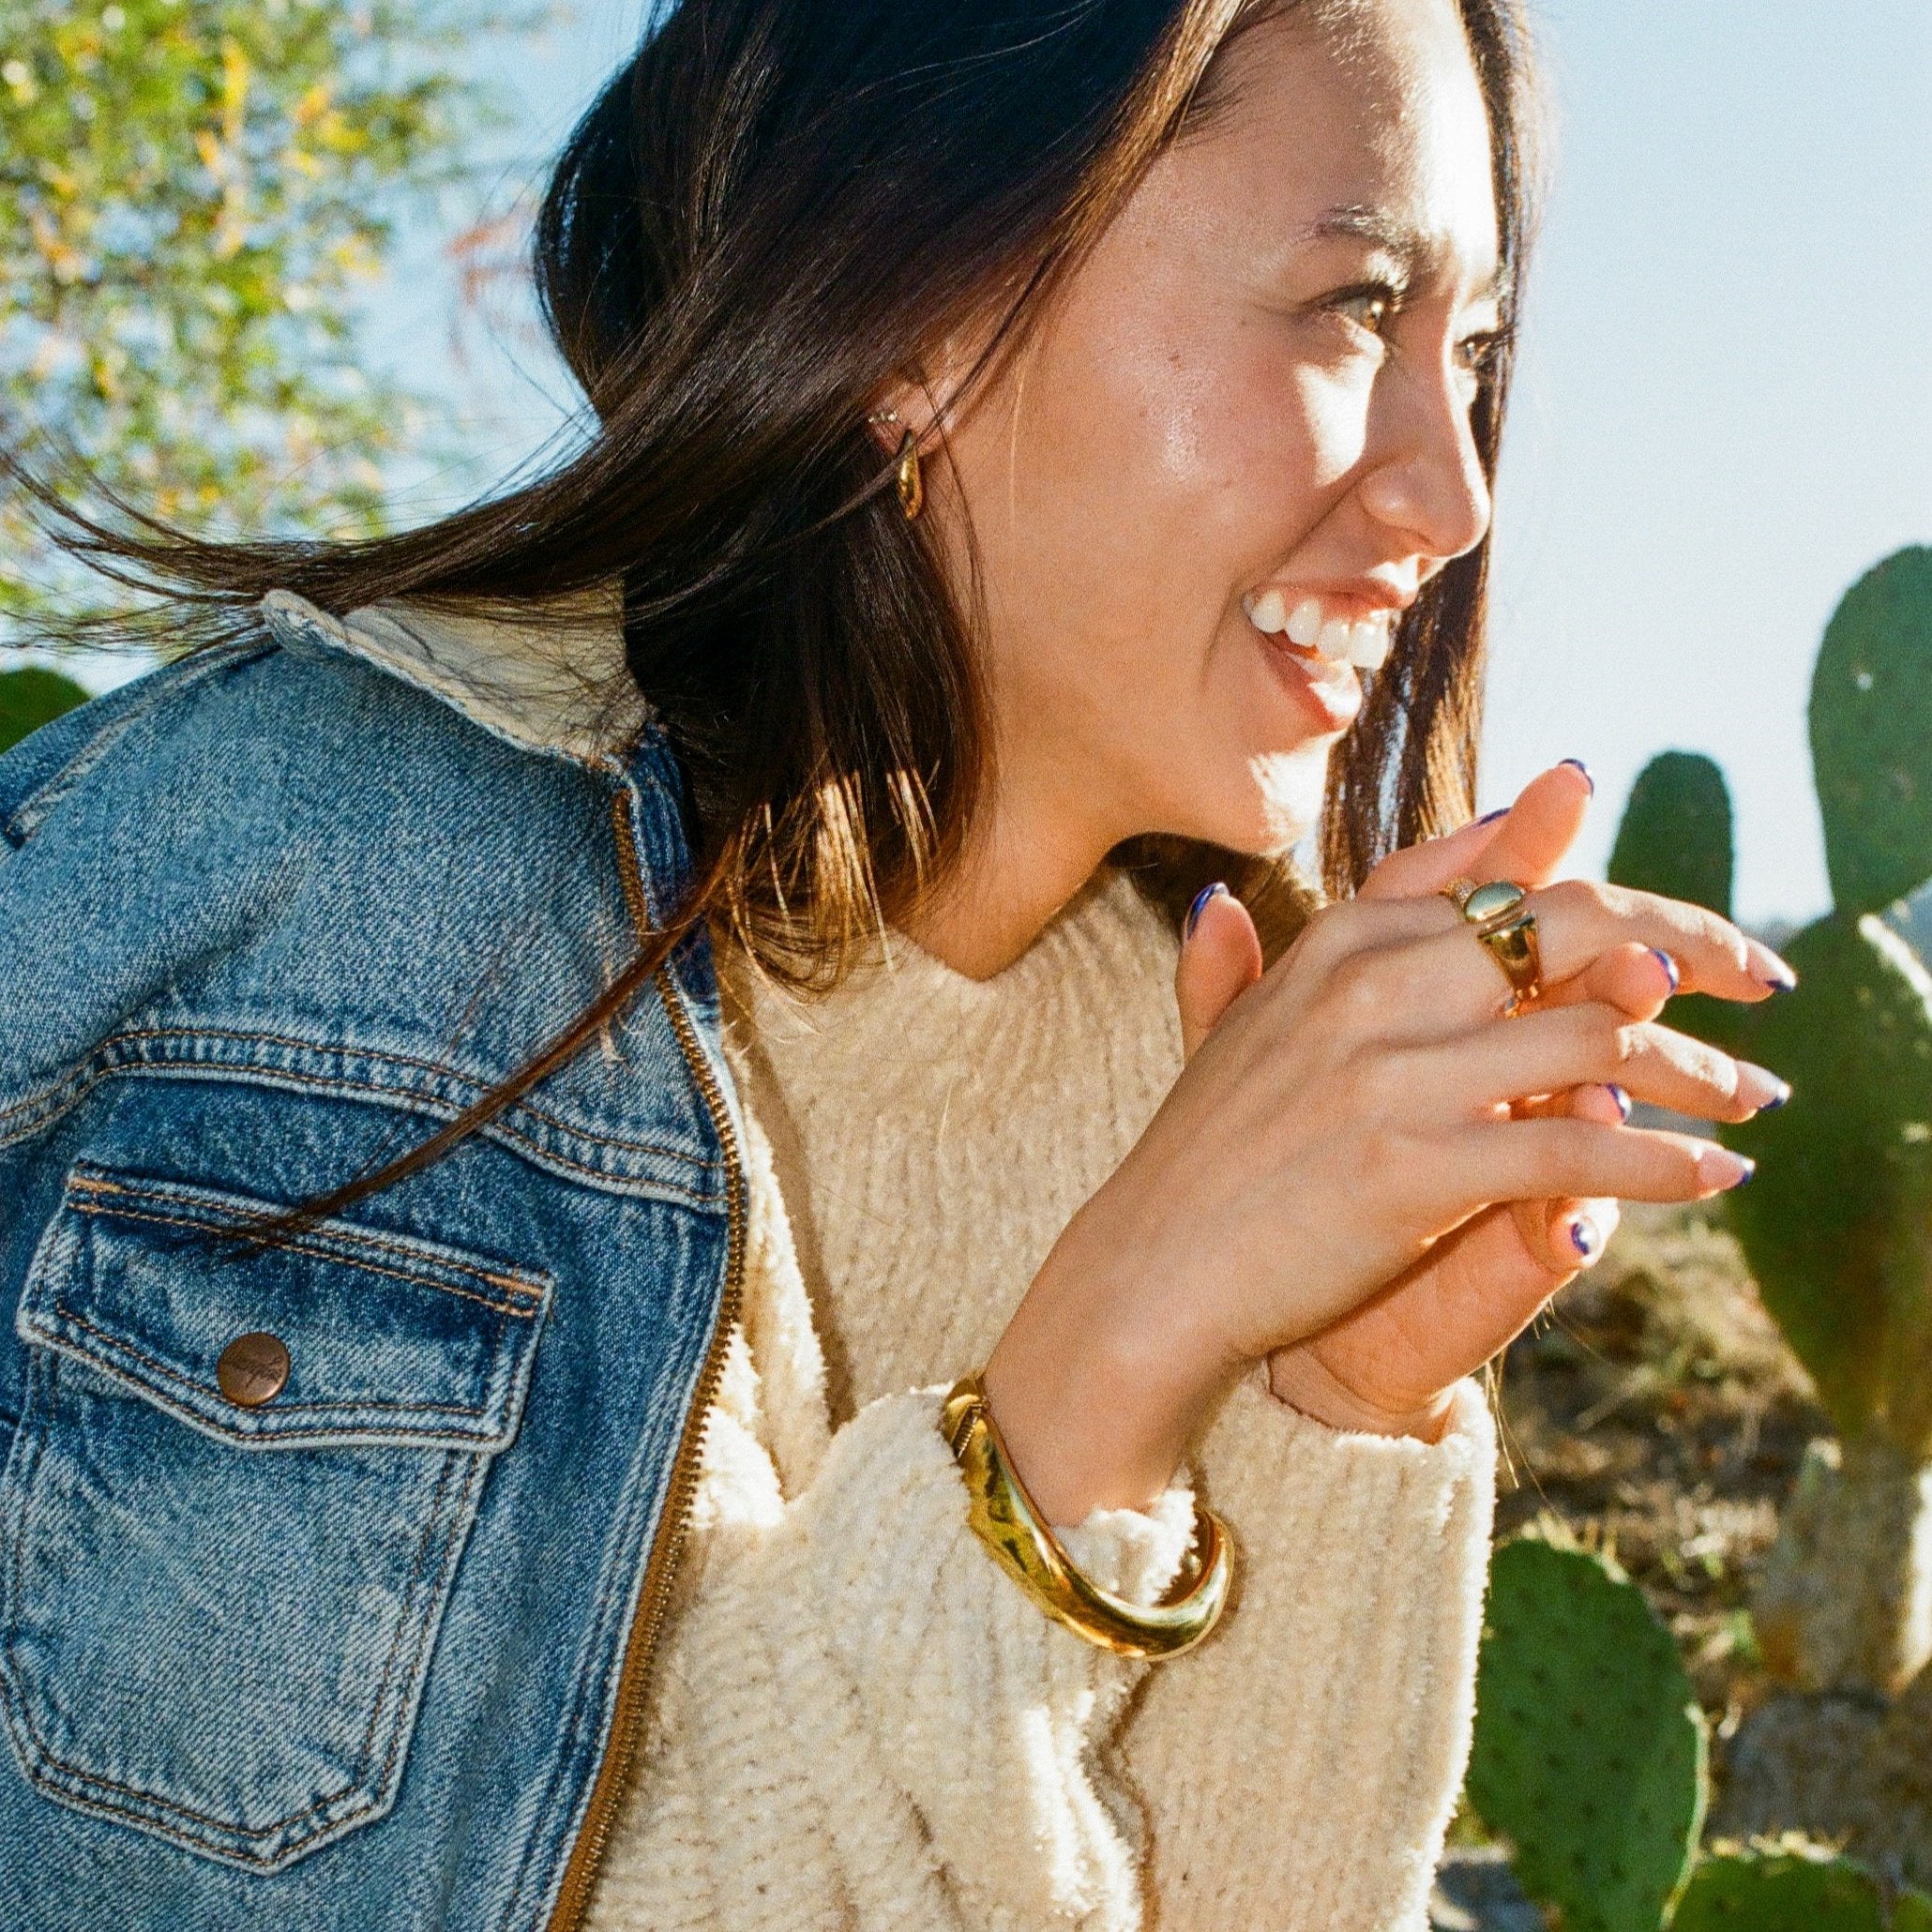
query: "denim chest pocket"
235, 1505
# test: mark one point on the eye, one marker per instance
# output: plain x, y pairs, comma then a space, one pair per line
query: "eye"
1478, 354
1371, 307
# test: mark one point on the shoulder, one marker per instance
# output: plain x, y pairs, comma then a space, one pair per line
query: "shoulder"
307, 843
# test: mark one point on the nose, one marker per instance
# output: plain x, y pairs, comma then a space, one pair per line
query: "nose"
1426, 480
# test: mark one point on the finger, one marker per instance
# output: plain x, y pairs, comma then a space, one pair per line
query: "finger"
1526, 841
1542, 825
1567, 1234
1549, 1052
1550, 1159
1577, 921
1635, 978
1220, 959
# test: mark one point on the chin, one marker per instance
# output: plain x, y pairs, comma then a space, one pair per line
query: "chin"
1287, 790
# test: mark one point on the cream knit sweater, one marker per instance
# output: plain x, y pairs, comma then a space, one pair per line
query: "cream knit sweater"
859, 1722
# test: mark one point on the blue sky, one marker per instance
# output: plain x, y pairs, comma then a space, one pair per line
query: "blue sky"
1725, 405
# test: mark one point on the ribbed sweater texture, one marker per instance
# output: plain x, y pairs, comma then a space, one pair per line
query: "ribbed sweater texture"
858, 1722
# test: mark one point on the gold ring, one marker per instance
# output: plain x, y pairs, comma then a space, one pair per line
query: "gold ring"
1514, 945
1507, 930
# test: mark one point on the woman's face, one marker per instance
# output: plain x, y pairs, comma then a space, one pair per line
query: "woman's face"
1260, 380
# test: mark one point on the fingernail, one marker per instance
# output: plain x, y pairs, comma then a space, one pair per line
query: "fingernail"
1720, 1170
1584, 769
1584, 1237
1489, 818
1669, 966
1201, 898
1621, 1099
1766, 968
1755, 1081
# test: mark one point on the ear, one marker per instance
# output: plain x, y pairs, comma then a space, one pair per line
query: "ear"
889, 430
921, 393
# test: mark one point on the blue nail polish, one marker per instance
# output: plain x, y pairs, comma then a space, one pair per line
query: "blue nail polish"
1783, 983
1778, 1099
1750, 1169
1669, 966
1583, 1238
1584, 769
1621, 1099
1489, 818
1201, 898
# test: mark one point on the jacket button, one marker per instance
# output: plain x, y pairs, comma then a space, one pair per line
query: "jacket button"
252, 1369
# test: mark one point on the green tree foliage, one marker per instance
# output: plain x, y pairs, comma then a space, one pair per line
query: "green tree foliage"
192, 195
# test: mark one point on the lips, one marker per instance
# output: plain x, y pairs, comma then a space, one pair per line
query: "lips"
1329, 685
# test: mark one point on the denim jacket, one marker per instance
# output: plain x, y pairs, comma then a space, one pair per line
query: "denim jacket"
330, 1574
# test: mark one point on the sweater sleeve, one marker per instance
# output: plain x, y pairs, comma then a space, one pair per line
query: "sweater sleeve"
1336, 1698
871, 1726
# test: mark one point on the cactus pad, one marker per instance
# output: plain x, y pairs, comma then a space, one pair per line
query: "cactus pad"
1589, 1747
30, 698
1676, 834
1871, 734
1675, 839
1835, 1225
1912, 1914
1780, 1894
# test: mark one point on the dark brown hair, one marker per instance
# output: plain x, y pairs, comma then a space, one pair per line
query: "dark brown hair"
750, 234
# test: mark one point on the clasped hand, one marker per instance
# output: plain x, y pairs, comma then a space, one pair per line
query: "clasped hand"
1365, 1176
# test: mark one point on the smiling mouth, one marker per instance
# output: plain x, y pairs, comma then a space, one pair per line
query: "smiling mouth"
1316, 632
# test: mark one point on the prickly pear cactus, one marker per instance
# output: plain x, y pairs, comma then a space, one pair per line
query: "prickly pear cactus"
1676, 834
30, 698
1912, 1914
1781, 1892
1675, 839
1871, 735
1589, 1747
1835, 1225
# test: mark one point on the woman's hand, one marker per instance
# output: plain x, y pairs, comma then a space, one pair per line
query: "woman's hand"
1335, 1148
1393, 1365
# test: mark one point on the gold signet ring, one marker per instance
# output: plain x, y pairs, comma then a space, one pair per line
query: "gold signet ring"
1507, 930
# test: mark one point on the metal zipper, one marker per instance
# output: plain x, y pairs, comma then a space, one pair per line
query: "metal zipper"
633, 1678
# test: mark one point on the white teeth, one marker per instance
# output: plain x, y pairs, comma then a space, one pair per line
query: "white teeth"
1364, 643
1267, 613
1369, 643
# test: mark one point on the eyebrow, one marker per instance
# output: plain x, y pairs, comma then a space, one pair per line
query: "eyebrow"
1414, 248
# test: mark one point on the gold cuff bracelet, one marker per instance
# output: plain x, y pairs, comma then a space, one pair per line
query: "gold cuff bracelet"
1004, 1520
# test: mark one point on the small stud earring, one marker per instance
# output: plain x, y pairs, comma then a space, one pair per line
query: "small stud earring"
912, 485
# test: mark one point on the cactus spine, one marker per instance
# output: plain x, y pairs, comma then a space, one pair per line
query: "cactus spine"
1837, 1227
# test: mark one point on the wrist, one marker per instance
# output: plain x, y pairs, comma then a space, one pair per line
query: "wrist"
1298, 1377
1095, 1405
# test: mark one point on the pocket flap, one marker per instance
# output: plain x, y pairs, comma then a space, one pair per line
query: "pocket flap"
387, 1338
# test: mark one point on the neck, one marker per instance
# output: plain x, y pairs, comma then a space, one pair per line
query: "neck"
1013, 875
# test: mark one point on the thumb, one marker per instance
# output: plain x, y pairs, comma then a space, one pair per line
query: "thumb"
1220, 959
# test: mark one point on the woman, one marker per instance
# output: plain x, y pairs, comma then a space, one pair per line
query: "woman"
477, 1392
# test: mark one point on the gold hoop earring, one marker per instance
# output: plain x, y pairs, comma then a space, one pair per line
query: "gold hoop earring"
912, 485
